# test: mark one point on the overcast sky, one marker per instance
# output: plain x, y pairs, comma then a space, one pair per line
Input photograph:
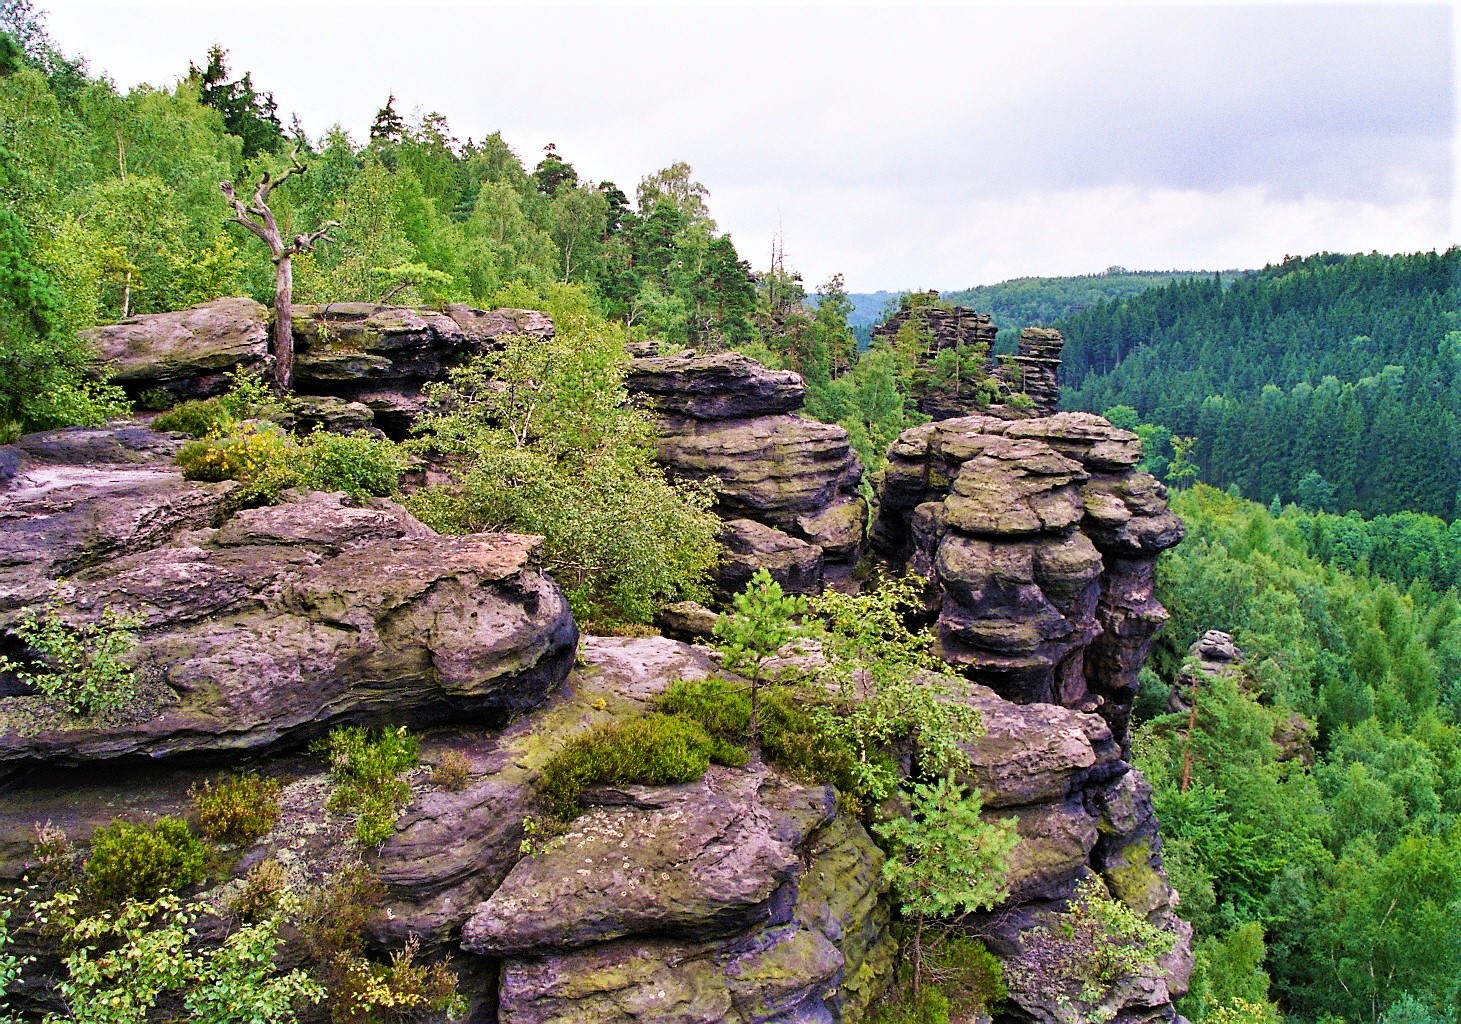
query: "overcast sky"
905, 147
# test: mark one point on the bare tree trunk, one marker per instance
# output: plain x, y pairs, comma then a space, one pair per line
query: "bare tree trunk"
259, 220
284, 323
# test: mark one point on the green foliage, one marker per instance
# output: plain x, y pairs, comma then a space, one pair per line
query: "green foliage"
943, 858
1227, 972
119, 965
544, 441
237, 809
358, 463
266, 461
1344, 367
1095, 944
130, 861
402, 990
197, 417
11, 963
792, 734
81, 666
653, 750
366, 767
762, 622
890, 686
1313, 856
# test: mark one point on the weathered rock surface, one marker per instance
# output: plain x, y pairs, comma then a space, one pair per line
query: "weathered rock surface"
708, 859
354, 348
187, 353
1041, 539
358, 351
275, 626
727, 416
726, 385
747, 546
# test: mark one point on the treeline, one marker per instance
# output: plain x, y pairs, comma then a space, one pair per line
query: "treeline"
1042, 301
1344, 371
112, 208
1319, 862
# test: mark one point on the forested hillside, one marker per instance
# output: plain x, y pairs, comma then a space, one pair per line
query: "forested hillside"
1328, 861
1342, 371
112, 208
1041, 301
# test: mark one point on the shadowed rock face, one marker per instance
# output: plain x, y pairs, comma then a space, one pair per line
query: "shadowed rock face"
1040, 539
728, 417
276, 625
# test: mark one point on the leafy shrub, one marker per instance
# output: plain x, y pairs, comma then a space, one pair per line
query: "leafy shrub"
236, 810
131, 861
266, 461
196, 417
453, 771
546, 441
154, 400
653, 750
366, 767
401, 991
967, 973
248, 395
359, 464
1019, 400
82, 664
792, 735
1098, 942
246, 454
121, 964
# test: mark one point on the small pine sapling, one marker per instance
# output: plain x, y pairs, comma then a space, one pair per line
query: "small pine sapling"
764, 621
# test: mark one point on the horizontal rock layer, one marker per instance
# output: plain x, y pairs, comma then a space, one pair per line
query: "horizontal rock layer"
1040, 537
275, 625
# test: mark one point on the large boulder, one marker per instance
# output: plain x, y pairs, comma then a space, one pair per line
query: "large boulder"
726, 385
187, 353
748, 546
272, 627
378, 355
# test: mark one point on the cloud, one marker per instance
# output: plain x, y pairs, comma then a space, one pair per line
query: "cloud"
914, 145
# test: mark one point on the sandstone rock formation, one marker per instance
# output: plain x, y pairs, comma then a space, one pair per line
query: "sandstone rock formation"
357, 351
187, 353
1032, 370
1215, 655
1040, 539
728, 417
272, 627
743, 897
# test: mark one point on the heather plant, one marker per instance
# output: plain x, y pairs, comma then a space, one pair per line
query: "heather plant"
366, 767
238, 809
133, 861
453, 771
654, 750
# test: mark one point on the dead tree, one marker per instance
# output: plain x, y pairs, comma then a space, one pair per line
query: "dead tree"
259, 219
